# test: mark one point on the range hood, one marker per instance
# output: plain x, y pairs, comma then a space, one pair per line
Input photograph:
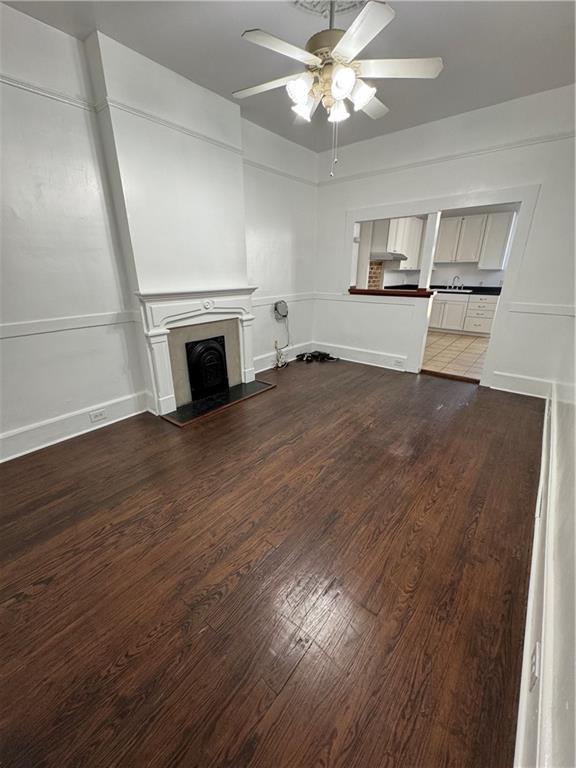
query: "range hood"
387, 256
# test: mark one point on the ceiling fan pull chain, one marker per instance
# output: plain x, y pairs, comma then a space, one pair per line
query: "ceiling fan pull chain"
337, 125
333, 148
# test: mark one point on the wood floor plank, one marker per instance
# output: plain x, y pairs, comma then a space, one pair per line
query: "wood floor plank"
335, 574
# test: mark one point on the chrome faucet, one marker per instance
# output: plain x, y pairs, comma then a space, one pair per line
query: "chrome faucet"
454, 284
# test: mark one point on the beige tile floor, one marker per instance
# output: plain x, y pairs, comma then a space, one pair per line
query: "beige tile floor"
455, 353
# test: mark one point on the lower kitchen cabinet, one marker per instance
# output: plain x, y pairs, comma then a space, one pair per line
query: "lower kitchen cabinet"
454, 315
456, 312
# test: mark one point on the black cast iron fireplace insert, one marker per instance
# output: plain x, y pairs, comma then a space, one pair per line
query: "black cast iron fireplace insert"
207, 369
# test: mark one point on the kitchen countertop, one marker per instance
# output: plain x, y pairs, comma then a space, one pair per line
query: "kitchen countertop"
486, 290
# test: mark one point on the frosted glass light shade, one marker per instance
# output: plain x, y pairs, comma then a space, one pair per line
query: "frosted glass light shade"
362, 94
338, 112
299, 88
304, 110
343, 80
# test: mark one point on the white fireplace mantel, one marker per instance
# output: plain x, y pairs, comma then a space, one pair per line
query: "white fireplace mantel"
163, 311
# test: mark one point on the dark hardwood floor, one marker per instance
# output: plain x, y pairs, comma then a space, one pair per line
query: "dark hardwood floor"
330, 575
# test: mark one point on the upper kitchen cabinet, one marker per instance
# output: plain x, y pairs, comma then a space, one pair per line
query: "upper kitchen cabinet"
495, 244
405, 238
447, 242
460, 238
470, 240
479, 238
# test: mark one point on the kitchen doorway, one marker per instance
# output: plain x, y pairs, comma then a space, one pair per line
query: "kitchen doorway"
469, 267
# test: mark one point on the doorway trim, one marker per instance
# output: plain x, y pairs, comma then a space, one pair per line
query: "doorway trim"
525, 196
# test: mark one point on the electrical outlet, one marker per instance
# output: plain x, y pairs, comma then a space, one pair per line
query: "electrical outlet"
398, 363
96, 416
535, 665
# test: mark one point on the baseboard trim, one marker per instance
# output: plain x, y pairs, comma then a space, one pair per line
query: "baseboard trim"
520, 385
32, 437
364, 356
268, 360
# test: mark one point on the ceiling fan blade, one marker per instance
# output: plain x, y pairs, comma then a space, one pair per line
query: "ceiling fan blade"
375, 109
269, 86
400, 67
259, 37
370, 21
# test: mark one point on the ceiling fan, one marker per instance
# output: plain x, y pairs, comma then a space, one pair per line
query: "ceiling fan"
332, 72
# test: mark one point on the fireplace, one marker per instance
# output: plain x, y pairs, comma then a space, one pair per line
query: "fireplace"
174, 318
207, 369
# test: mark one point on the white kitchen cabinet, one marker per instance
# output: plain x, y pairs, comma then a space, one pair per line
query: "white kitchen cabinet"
447, 242
405, 237
454, 315
448, 311
494, 251
470, 239
436, 313
478, 325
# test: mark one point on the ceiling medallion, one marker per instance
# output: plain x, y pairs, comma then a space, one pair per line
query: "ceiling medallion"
322, 7
332, 73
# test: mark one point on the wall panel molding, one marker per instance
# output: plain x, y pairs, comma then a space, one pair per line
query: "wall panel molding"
265, 301
67, 98
527, 308
71, 323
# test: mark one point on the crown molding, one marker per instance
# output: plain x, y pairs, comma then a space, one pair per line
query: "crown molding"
88, 105
278, 172
153, 118
521, 144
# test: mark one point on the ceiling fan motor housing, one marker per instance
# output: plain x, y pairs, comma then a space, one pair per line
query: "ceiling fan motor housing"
323, 43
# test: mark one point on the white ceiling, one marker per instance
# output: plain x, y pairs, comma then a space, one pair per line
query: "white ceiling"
492, 51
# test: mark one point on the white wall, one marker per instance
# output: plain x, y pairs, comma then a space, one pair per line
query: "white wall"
199, 198
69, 343
523, 143
118, 176
547, 708
177, 148
280, 202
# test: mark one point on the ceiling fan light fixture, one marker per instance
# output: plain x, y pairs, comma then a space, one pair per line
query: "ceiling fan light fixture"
338, 112
299, 88
343, 81
305, 110
361, 95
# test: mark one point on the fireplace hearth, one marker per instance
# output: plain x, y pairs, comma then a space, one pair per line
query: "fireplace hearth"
209, 384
